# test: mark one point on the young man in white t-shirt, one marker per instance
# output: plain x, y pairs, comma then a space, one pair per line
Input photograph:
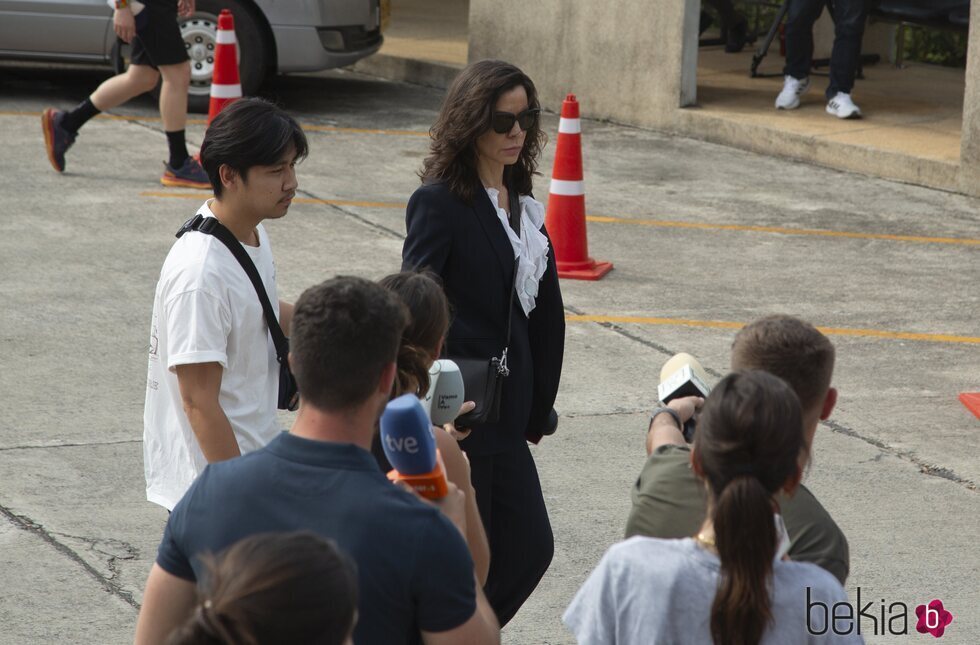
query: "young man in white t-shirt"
213, 377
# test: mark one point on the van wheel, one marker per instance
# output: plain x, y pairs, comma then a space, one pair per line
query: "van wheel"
255, 55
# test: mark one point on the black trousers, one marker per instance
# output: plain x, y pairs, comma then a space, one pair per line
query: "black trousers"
849, 17
508, 494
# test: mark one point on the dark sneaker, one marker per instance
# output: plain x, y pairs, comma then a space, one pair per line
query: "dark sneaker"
57, 140
190, 175
738, 36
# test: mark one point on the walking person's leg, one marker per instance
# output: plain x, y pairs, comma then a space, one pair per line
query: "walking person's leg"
173, 112
849, 18
521, 541
61, 127
800, 16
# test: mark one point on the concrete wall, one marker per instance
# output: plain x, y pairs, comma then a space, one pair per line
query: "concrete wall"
969, 179
635, 62
626, 61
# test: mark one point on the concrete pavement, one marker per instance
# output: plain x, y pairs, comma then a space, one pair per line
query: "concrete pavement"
695, 252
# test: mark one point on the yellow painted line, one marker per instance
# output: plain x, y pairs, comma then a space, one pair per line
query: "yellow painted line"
602, 219
782, 230
298, 200
306, 127
830, 331
397, 133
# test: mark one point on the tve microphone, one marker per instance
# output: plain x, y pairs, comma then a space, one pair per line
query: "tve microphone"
446, 392
408, 442
682, 376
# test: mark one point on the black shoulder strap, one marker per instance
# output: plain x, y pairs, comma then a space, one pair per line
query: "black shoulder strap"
515, 223
211, 226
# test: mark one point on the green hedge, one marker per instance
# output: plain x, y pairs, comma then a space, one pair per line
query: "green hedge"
936, 46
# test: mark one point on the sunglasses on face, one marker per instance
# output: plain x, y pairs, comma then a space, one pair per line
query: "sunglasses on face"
503, 122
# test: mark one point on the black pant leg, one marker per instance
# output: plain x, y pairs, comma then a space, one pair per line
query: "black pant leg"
481, 476
849, 18
799, 36
521, 542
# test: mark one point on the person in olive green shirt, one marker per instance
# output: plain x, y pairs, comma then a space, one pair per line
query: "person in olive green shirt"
668, 500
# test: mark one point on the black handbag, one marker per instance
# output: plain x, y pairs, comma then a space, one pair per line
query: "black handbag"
483, 379
288, 392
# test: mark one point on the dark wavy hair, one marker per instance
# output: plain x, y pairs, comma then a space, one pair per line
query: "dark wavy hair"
749, 443
428, 309
274, 588
465, 115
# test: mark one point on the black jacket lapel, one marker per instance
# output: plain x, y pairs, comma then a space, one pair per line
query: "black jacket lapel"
496, 234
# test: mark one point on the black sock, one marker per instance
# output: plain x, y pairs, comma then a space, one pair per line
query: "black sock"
178, 148
76, 118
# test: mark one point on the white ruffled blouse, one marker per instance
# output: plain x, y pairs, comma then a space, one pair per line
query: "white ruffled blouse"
531, 248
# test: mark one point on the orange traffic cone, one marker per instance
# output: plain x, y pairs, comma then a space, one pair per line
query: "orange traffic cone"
565, 219
225, 85
972, 402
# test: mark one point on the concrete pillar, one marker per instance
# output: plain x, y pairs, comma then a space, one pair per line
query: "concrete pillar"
969, 175
626, 61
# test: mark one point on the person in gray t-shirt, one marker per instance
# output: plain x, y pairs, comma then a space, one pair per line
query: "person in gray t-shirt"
731, 578
647, 590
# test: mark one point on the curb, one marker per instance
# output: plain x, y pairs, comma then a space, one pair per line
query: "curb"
408, 70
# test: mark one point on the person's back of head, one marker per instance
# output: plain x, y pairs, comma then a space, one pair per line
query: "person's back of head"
345, 332
428, 310
792, 349
748, 446
274, 588
249, 132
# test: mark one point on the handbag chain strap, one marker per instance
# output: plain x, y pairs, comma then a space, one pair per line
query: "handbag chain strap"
211, 226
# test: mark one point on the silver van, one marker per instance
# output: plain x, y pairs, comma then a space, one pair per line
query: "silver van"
274, 36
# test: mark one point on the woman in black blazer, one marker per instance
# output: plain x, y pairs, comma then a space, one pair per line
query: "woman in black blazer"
485, 144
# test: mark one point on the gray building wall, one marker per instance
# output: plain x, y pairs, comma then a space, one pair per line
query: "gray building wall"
635, 61
623, 58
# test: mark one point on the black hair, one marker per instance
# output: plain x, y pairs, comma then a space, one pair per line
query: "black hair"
247, 133
345, 331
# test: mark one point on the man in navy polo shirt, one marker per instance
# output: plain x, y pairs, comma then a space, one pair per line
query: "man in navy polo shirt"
415, 573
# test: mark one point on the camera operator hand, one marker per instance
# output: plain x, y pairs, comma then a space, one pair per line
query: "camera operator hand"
665, 429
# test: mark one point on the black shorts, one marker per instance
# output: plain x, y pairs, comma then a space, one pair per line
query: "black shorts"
158, 41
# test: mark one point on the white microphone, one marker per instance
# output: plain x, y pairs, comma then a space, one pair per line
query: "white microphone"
682, 376
446, 392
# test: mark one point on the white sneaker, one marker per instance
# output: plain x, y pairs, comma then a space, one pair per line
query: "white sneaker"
843, 107
793, 89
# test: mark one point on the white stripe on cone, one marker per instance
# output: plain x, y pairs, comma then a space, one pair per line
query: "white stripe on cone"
567, 188
569, 126
226, 91
225, 37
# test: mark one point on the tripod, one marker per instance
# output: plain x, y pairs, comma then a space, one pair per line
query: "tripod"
763, 49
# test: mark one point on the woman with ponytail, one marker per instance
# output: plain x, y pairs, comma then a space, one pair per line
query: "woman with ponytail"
422, 340
273, 588
732, 583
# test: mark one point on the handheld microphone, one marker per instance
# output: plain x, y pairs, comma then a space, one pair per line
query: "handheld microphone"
446, 392
682, 376
408, 442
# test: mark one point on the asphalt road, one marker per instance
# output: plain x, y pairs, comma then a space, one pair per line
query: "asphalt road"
703, 238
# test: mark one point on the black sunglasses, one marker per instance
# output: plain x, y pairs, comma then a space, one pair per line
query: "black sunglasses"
503, 122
